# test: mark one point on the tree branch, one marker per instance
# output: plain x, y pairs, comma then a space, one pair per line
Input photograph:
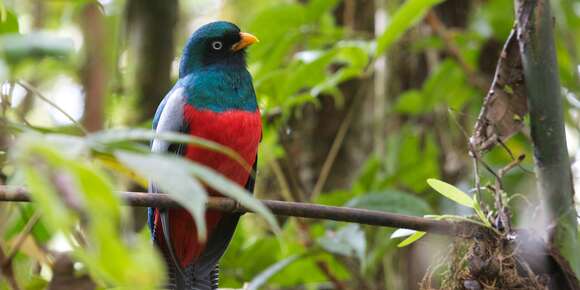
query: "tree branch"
284, 208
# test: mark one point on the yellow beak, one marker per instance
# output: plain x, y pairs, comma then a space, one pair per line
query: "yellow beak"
245, 41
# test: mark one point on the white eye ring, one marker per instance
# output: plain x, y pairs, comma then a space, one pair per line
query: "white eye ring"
217, 45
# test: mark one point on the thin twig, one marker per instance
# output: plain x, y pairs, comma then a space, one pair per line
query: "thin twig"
7, 271
279, 174
36, 92
516, 162
439, 28
284, 208
337, 144
21, 238
323, 266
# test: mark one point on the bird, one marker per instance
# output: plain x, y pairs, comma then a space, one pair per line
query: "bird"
213, 98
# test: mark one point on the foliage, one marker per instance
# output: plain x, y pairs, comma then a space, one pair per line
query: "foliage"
454, 194
68, 187
306, 53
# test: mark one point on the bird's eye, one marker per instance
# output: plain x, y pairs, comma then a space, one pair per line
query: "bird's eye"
217, 45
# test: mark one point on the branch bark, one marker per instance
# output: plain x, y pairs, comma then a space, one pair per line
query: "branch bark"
284, 208
554, 177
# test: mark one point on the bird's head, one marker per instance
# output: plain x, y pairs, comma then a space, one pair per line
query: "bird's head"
215, 44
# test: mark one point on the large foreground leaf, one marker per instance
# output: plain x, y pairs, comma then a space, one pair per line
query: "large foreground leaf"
170, 174
232, 190
111, 137
183, 179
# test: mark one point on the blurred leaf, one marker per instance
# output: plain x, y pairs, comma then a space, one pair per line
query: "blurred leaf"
499, 15
232, 190
171, 175
262, 250
66, 187
412, 102
391, 201
411, 12
316, 8
116, 136
413, 238
17, 47
447, 83
451, 192
71, 146
8, 21
39, 231
41, 189
3, 70
294, 274
36, 283
349, 241
369, 176
264, 276
334, 198
413, 159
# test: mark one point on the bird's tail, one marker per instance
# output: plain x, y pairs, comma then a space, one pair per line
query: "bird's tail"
201, 274
187, 279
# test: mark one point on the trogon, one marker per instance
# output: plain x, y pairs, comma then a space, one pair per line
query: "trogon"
214, 98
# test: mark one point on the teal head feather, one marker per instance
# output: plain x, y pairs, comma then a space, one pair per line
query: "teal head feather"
213, 68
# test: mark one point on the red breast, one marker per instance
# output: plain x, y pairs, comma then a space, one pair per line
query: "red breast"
238, 130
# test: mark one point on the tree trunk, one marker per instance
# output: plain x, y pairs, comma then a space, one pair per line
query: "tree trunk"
94, 72
151, 34
554, 177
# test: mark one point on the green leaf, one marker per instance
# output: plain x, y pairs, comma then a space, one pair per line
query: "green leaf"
412, 102
413, 238
54, 177
16, 48
264, 276
412, 159
405, 17
497, 15
447, 83
479, 212
334, 198
230, 189
37, 161
391, 201
349, 241
451, 192
8, 21
316, 8
369, 176
110, 137
170, 174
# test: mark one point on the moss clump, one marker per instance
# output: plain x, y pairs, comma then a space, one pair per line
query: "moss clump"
485, 261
